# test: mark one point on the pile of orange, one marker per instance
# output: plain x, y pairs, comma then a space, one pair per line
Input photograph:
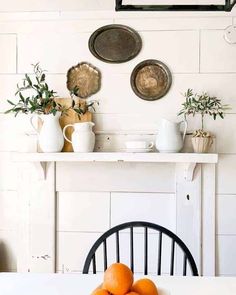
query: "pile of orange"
119, 280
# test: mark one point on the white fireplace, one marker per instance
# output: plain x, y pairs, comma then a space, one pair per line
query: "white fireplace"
60, 193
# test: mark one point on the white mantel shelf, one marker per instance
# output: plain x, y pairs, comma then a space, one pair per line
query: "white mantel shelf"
190, 159
116, 157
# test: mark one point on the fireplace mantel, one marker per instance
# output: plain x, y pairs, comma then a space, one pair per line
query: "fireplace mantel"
189, 159
194, 184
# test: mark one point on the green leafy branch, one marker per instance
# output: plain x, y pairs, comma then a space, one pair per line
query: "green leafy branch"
202, 104
41, 99
81, 107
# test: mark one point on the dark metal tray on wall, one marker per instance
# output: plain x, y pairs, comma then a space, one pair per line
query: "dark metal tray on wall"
115, 43
151, 79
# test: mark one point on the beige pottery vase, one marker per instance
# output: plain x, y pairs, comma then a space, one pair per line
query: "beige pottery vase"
201, 144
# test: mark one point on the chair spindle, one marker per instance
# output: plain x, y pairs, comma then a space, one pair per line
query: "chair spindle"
159, 254
185, 265
94, 264
132, 249
117, 247
105, 254
172, 258
145, 251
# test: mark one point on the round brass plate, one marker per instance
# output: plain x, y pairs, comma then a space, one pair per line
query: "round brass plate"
115, 43
151, 79
85, 78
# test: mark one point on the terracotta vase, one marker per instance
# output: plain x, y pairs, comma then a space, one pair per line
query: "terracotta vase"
201, 144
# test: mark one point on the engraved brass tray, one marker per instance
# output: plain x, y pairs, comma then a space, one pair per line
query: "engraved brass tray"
84, 80
115, 43
151, 79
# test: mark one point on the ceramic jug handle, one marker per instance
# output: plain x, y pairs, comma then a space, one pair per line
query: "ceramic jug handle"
32, 123
64, 132
151, 145
185, 128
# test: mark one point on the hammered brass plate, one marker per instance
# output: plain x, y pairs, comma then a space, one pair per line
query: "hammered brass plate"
84, 77
115, 43
151, 79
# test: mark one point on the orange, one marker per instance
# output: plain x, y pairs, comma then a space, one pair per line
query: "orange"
118, 279
100, 292
132, 293
144, 287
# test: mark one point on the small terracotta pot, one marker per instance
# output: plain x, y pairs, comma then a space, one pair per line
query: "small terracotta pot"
202, 144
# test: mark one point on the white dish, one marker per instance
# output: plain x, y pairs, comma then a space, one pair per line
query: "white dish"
137, 150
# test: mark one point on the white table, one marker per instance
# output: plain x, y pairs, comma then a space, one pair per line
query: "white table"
76, 284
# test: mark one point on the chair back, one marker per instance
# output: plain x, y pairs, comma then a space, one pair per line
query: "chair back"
148, 228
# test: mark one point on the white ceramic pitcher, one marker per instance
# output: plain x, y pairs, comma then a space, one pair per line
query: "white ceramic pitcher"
169, 138
50, 137
83, 138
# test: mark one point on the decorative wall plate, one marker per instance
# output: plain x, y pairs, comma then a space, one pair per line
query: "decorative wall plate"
115, 43
151, 79
84, 77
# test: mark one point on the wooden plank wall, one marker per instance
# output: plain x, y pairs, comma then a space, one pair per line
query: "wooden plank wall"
193, 47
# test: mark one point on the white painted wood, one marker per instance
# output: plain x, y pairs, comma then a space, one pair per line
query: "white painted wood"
168, 23
8, 210
208, 220
225, 141
116, 157
226, 252
152, 207
52, 284
225, 174
8, 172
110, 101
8, 53
32, 15
42, 223
188, 212
48, 22
225, 212
40, 167
216, 54
58, 5
184, 59
23, 238
72, 249
119, 108
115, 177
55, 60
37, 221
83, 211
189, 171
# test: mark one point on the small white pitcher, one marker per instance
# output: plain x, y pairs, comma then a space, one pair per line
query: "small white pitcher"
50, 137
169, 138
82, 138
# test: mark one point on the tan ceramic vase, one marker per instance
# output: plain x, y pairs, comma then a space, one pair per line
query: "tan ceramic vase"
201, 144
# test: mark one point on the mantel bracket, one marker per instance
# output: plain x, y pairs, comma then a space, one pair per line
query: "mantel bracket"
189, 171
40, 169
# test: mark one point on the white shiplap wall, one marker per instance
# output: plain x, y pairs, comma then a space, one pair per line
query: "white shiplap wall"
193, 47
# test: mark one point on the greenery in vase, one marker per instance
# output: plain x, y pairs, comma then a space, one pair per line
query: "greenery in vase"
82, 106
35, 96
204, 105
